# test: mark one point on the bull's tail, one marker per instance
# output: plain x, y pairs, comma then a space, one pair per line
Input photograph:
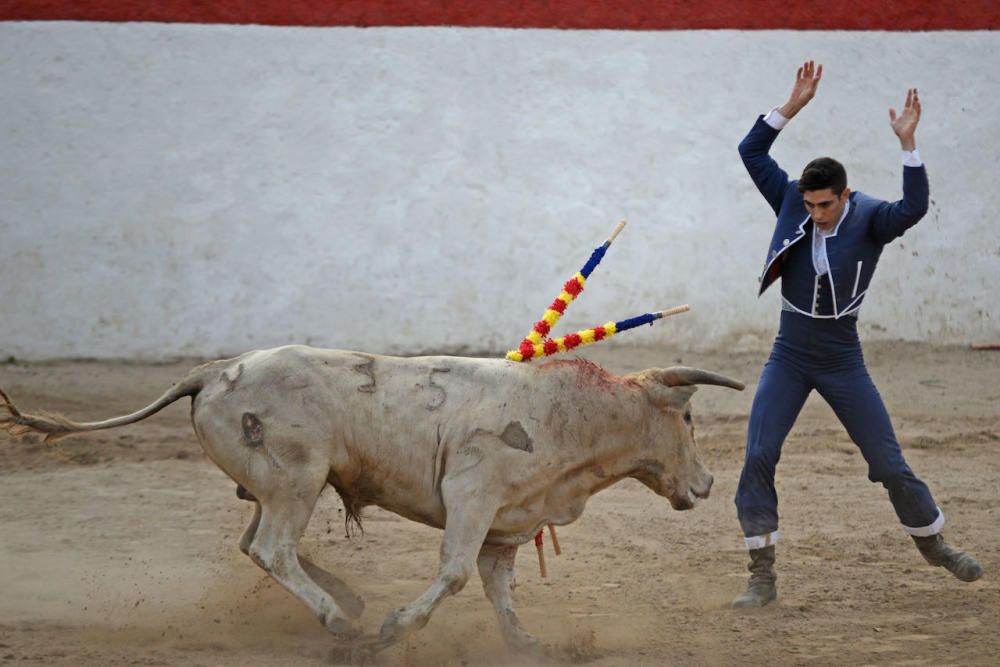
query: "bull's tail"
54, 426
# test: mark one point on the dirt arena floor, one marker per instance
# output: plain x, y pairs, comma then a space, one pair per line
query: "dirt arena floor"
120, 547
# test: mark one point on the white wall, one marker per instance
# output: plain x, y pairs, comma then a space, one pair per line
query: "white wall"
176, 190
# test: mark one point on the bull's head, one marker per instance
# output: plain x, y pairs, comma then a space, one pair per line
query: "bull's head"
672, 467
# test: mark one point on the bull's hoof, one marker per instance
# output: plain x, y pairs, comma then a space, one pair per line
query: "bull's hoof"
398, 623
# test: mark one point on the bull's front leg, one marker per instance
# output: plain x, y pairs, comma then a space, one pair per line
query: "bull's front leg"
470, 510
496, 568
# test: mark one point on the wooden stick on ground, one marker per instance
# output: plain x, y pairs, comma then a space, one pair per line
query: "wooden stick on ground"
539, 547
555, 540
985, 346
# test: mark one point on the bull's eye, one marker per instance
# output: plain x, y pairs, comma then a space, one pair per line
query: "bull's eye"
687, 417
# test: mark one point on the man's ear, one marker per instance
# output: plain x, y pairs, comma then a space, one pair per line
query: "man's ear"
845, 194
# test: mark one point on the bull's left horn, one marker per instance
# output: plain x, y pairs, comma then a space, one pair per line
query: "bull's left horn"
678, 376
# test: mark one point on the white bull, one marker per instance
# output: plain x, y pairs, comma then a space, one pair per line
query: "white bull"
489, 450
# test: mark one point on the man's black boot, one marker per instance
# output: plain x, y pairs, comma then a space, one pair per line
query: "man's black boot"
937, 552
761, 589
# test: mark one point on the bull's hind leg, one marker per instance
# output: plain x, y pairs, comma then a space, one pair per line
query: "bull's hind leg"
283, 477
274, 547
470, 510
251, 528
350, 602
345, 598
496, 568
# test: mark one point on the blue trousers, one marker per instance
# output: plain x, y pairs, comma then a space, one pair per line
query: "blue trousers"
825, 355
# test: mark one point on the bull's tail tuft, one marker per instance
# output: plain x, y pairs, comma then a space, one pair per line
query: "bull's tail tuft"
19, 424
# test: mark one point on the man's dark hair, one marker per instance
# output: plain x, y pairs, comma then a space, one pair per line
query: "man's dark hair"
822, 173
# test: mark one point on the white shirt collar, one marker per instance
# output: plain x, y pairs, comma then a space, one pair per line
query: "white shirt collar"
847, 208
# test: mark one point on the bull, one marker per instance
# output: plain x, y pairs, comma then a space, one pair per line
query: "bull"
488, 450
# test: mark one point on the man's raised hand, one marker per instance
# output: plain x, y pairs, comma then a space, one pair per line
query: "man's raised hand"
806, 82
905, 124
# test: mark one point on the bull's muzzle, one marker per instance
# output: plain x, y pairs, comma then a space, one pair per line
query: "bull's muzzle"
697, 491
705, 488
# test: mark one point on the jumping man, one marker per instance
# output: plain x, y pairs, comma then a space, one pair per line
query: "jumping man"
826, 244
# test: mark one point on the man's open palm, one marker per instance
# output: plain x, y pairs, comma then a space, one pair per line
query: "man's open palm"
905, 123
806, 82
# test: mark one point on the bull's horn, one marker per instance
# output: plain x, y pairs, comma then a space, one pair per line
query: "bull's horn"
678, 376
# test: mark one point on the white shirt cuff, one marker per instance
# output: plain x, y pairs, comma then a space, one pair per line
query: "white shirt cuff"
775, 119
912, 159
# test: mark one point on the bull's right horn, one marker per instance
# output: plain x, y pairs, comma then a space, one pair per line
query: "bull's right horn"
679, 376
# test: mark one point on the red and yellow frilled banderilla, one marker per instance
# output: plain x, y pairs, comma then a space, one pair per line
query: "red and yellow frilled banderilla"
537, 343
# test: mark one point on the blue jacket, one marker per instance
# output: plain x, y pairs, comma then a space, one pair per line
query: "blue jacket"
854, 249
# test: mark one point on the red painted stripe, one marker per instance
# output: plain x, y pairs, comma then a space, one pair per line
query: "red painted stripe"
571, 14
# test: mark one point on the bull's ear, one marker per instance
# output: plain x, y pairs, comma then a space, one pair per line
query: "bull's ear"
663, 394
672, 397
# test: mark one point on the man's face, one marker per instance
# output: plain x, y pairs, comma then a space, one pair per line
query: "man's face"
825, 207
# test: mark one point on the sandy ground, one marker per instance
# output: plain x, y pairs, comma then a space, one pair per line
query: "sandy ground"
120, 547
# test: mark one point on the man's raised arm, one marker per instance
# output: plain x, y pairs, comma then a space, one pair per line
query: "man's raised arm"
894, 219
769, 178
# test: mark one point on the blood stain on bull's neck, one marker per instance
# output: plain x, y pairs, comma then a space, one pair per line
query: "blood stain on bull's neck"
589, 375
